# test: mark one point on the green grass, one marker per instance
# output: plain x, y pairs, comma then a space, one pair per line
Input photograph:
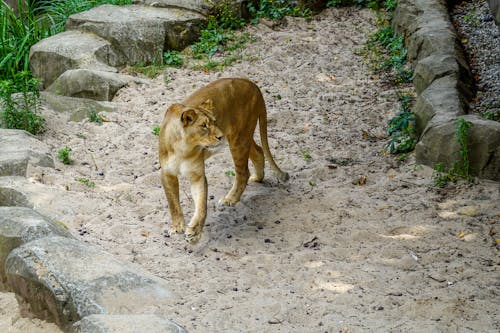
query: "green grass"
86, 181
172, 58
156, 130
277, 9
20, 103
63, 155
461, 168
401, 129
95, 118
388, 5
386, 53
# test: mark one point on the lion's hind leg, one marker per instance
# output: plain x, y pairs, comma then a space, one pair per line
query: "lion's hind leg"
240, 152
257, 158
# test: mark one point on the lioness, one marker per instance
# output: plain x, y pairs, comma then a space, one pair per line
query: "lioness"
192, 129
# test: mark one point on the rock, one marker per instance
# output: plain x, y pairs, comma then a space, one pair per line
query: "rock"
52, 56
65, 280
19, 149
203, 7
441, 97
126, 324
433, 38
19, 225
426, 27
438, 144
495, 10
139, 34
21, 192
79, 108
92, 84
199, 6
436, 66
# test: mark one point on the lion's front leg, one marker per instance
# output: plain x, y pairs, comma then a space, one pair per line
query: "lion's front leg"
171, 187
199, 190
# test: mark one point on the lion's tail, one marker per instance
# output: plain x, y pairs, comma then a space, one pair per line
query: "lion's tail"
283, 176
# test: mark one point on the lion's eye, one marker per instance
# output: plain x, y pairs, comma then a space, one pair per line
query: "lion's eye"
204, 126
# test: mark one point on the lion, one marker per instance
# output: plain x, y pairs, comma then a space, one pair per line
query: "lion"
191, 131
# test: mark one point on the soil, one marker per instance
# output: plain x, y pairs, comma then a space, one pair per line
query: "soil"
355, 241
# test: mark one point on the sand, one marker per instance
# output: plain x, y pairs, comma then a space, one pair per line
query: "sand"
324, 252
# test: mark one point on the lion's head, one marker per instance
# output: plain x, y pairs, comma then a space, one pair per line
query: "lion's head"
199, 125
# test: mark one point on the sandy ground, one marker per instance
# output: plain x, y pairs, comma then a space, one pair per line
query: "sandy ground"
320, 253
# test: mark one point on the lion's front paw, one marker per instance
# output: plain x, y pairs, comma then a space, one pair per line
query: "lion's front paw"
227, 201
175, 230
192, 236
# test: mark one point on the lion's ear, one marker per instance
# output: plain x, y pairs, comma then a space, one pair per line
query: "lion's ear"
188, 117
207, 105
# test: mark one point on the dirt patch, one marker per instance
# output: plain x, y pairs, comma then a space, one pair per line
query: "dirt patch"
355, 241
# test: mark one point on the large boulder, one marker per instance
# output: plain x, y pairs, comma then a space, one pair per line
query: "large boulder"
441, 97
78, 108
52, 56
19, 149
126, 324
204, 7
65, 280
19, 225
439, 145
437, 66
92, 84
139, 34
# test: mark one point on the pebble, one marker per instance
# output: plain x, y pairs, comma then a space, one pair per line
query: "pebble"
480, 38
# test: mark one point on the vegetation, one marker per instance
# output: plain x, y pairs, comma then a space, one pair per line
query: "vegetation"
34, 20
86, 181
156, 130
20, 102
63, 155
400, 128
172, 58
386, 53
277, 9
461, 169
95, 117
388, 5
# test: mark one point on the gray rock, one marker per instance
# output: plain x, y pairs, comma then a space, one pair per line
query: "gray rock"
52, 56
79, 108
436, 66
19, 192
204, 7
65, 280
19, 225
441, 97
19, 149
495, 10
439, 145
91, 84
126, 324
199, 6
140, 34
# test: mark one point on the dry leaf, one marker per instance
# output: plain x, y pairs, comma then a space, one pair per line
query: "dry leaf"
145, 234
461, 234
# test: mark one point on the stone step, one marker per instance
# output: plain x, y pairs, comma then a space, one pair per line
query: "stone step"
91, 84
137, 33
20, 225
52, 56
65, 280
127, 324
19, 150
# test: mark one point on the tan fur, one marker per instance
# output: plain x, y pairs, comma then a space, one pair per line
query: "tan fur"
226, 108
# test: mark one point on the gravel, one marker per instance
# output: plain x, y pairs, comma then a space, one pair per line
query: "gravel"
481, 41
